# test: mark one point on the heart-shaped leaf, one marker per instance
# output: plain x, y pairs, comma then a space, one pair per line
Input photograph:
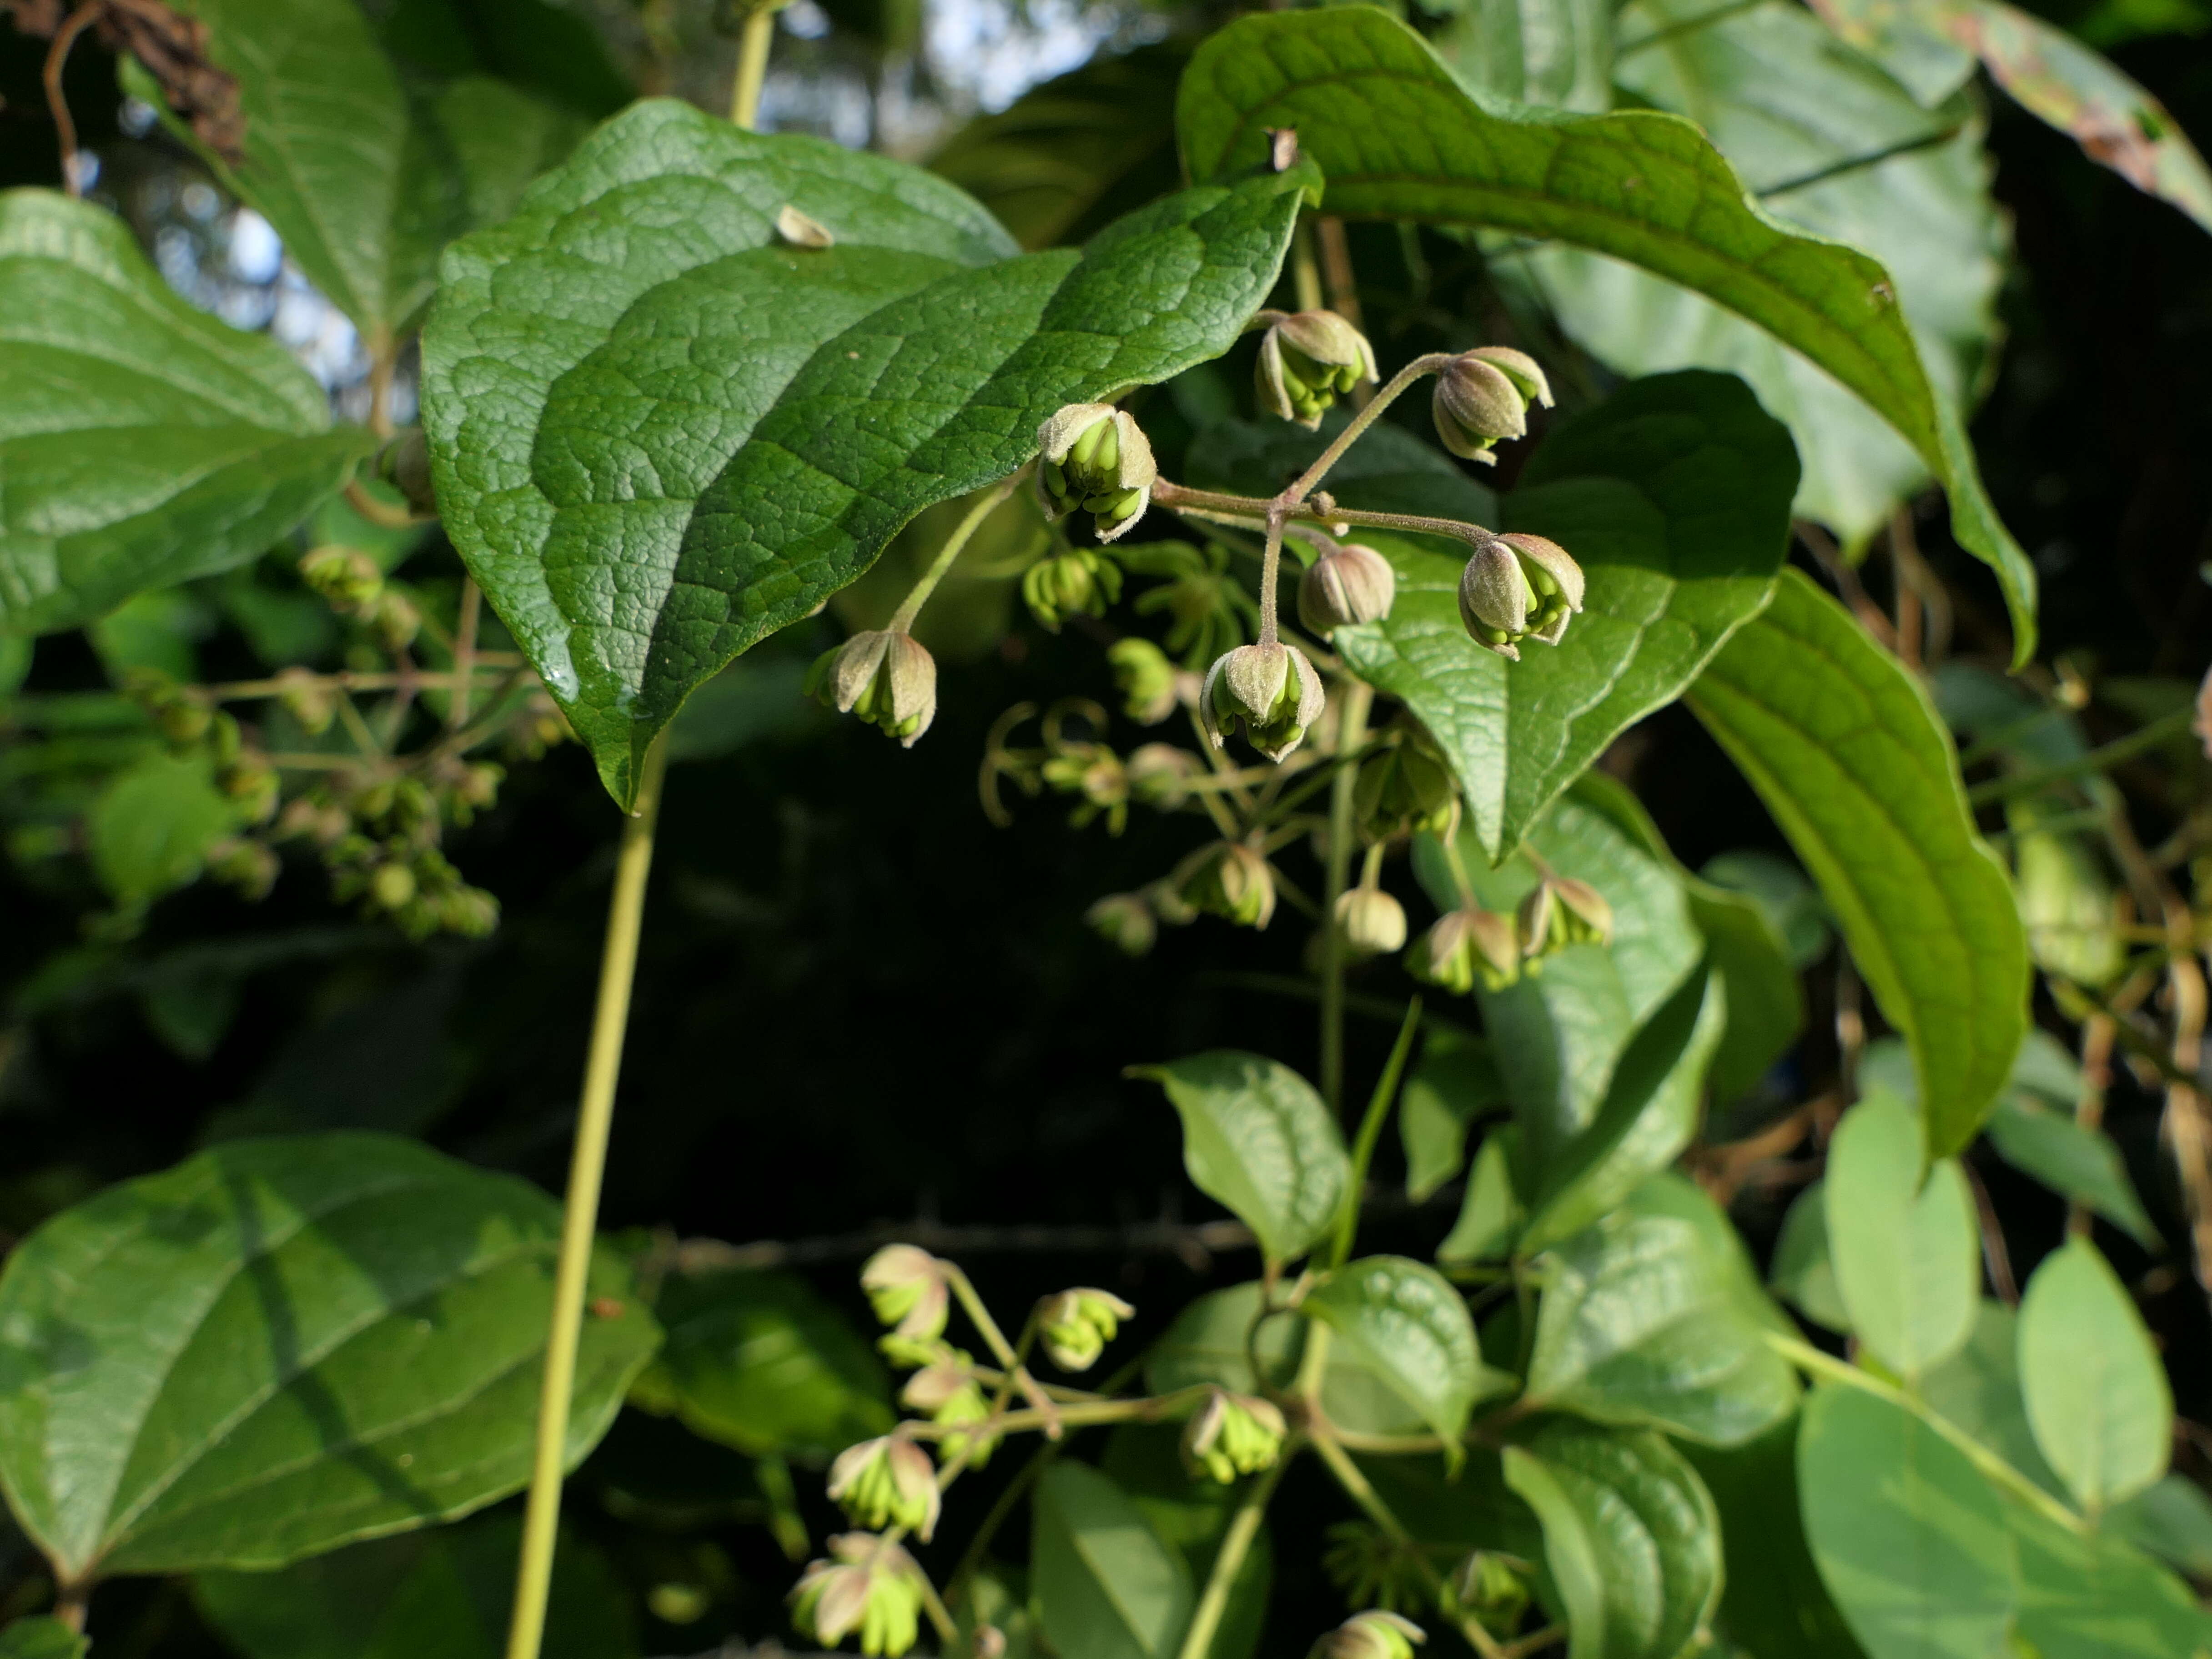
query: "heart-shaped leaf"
1674, 495
1404, 1322
1398, 137
1258, 1139
281, 1346
1842, 745
1906, 1253
143, 442
660, 433
2096, 1390
1106, 1586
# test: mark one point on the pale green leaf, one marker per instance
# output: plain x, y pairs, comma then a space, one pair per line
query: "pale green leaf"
1907, 1255
1803, 1273
2073, 1159
1558, 52
1491, 1214
1778, 887
1404, 1322
1978, 1389
1106, 1586
2172, 1520
151, 826
1453, 1086
2096, 1390
1190, 1513
2095, 1597
1774, 1602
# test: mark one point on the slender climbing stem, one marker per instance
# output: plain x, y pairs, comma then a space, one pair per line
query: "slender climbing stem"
580, 1217
1305, 267
752, 66
1370, 1130
1229, 1560
1350, 733
988, 501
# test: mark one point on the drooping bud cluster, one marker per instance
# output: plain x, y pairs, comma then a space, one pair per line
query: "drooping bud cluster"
946, 1392
1372, 922
1350, 584
353, 584
1232, 1434
1373, 1634
908, 1288
1081, 581
1094, 457
1482, 396
1518, 586
1270, 690
1406, 785
1075, 1326
1306, 359
1464, 946
868, 1584
1228, 879
1561, 911
889, 679
887, 1481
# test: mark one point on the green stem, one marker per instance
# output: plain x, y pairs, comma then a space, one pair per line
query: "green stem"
1305, 268
1176, 497
2027, 783
1002, 1507
902, 620
1360, 423
1371, 1130
1229, 1560
1350, 733
580, 1216
752, 66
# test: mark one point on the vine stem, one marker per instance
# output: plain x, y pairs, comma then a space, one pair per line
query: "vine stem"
752, 66
1360, 423
579, 1217
902, 620
1229, 1560
1351, 733
1370, 1130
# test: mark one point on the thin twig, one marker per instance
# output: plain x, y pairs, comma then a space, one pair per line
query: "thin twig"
57, 98
464, 652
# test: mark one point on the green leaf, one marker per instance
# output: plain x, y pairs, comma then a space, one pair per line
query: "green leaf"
759, 1362
1803, 1273
151, 826
1106, 1586
1403, 1321
2096, 1391
281, 1346
1978, 1389
1641, 1324
1190, 1515
1842, 745
41, 1638
1907, 1255
1631, 1537
1398, 137
144, 441
1674, 495
1491, 1214
1910, 1540
1558, 52
443, 1593
1453, 1086
2072, 1159
2094, 1596
783, 411
1774, 1602
2172, 1520
1257, 1139
1778, 887
1649, 1113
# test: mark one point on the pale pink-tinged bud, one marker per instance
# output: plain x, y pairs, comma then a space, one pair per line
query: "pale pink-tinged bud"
868, 1584
1373, 1634
907, 1287
1561, 911
1372, 922
889, 679
1075, 1326
887, 1481
1096, 457
1482, 396
1270, 690
1518, 586
1464, 946
1353, 584
1306, 359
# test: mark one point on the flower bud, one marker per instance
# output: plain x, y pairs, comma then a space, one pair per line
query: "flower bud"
1305, 359
1095, 773
1354, 584
1232, 1434
308, 698
1075, 1326
1228, 879
247, 864
945, 1390
345, 576
1168, 902
870, 1585
1489, 1587
1463, 947
1517, 586
1483, 395
1372, 922
1373, 1634
1160, 774
1561, 911
888, 679
469, 912
1124, 921
1081, 581
394, 618
1270, 690
250, 782
906, 1285
1406, 785
1145, 677
887, 1481
1096, 457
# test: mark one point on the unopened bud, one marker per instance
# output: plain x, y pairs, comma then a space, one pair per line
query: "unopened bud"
1306, 359
394, 618
308, 698
889, 679
1406, 785
907, 1287
946, 1392
1518, 586
1466, 945
1145, 677
1373, 1634
391, 886
1124, 921
1482, 396
252, 784
1075, 1326
887, 1481
1353, 584
1095, 773
345, 576
249, 866
1489, 1587
869, 1585
1160, 774
1079, 582
1228, 879
1096, 457
1372, 922
1561, 911
469, 912
1233, 1435
1270, 690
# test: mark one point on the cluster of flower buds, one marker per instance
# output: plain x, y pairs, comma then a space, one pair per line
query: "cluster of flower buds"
945, 1390
1374, 1634
1075, 1326
1465, 946
1307, 358
1077, 581
909, 1290
1518, 586
417, 888
353, 584
1372, 922
1489, 1588
1561, 911
888, 1481
867, 1584
1349, 584
1094, 457
1406, 785
1483, 396
1095, 773
888, 678
1271, 692
1151, 685
1232, 1434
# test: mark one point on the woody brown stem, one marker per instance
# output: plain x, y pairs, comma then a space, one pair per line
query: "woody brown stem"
58, 101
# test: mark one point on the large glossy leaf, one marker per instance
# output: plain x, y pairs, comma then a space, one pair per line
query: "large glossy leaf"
1907, 1249
1399, 138
1403, 1321
2095, 1597
281, 1346
1105, 1584
1674, 495
143, 442
1631, 1537
1641, 1324
1841, 744
660, 433
1774, 1602
1911, 1542
1829, 142
443, 1593
1558, 52
1258, 1139
2096, 1390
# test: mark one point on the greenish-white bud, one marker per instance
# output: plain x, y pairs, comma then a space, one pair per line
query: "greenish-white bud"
887, 1481
1306, 360
1096, 457
1232, 1434
1079, 582
1559, 911
1147, 679
868, 1585
1482, 396
1124, 921
345, 576
889, 679
1353, 584
1373, 1634
1075, 1326
907, 1287
1160, 774
1270, 690
1406, 785
946, 1392
1372, 922
1464, 946
1228, 879
1518, 586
